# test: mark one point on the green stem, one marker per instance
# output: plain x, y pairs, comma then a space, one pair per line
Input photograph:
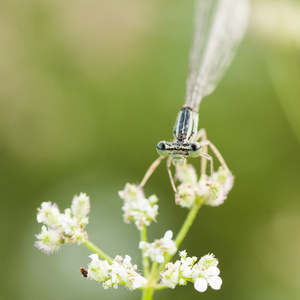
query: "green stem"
155, 272
148, 294
153, 269
159, 287
187, 225
181, 234
95, 249
143, 236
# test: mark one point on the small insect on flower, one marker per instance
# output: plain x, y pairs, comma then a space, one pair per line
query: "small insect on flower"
84, 272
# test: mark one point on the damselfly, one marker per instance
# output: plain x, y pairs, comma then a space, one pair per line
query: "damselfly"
219, 27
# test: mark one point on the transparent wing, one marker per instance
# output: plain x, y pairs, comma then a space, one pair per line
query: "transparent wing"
219, 27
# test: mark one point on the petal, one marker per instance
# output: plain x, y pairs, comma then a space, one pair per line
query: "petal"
160, 259
94, 257
138, 282
169, 244
168, 235
200, 285
213, 271
215, 282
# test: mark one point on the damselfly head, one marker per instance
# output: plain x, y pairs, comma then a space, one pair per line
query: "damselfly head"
179, 151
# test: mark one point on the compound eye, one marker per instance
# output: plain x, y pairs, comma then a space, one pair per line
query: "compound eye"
195, 149
161, 148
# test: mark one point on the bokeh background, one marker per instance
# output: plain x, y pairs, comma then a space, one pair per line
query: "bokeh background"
87, 89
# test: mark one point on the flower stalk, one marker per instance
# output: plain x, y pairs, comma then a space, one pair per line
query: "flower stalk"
98, 251
148, 294
181, 234
143, 236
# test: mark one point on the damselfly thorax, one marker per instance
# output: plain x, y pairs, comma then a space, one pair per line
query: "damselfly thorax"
184, 131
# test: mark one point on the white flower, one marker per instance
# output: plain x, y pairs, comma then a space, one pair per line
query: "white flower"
138, 281
186, 173
208, 261
67, 227
204, 273
131, 193
186, 264
49, 214
187, 194
170, 276
80, 205
183, 254
121, 271
136, 207
159, 248
205, 191
49, 241
215, 193
73, 228
98, 269
153, 199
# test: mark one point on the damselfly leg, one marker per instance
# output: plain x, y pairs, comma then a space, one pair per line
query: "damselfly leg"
216, 153
151, 170
201, 136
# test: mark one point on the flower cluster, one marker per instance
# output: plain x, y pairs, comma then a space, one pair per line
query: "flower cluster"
121, 271
62, 228
202, 274
208, 192
159, 248
136, 207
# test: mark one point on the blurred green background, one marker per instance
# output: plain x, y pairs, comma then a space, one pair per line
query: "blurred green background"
87, 89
